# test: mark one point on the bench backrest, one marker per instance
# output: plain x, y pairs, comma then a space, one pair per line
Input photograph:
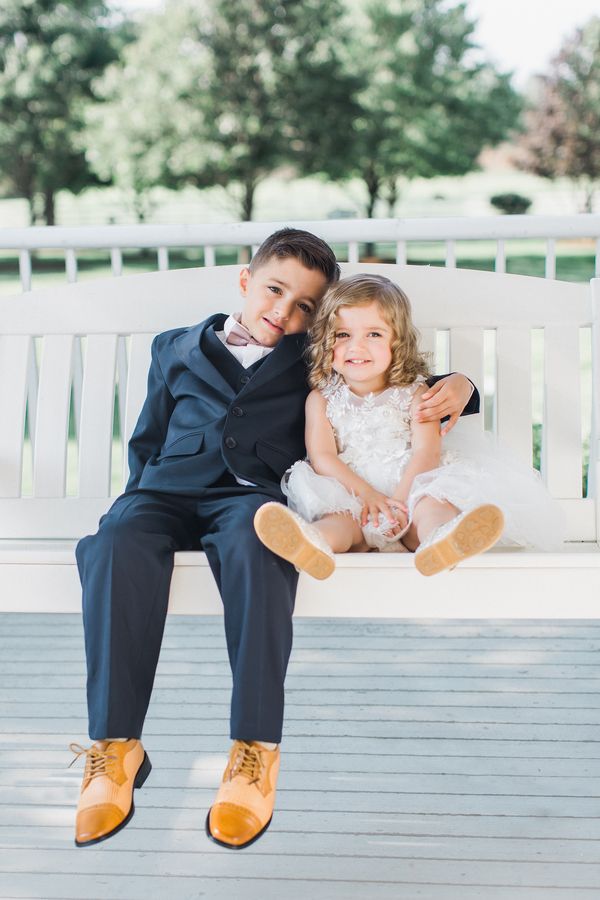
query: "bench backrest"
63, 351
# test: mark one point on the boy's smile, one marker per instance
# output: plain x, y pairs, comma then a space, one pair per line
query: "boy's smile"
281, 297
362, 351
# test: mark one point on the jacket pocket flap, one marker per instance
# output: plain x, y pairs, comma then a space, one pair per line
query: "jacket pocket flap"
186, 445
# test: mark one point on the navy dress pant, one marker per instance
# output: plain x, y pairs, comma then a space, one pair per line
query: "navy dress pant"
125, 570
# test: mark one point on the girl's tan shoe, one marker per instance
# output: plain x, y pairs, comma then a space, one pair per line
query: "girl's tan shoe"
112, 770
243, 807
466, 535
287, 534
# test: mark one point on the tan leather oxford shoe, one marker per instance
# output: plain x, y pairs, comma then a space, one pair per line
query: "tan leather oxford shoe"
243, 807
112, 771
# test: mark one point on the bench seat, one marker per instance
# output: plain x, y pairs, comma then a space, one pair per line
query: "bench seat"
41, 576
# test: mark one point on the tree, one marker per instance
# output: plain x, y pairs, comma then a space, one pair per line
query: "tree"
49, 53
138, 125
429, 106
563, 124
278, 94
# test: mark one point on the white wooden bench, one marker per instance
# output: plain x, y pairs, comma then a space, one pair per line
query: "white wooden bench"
102, 330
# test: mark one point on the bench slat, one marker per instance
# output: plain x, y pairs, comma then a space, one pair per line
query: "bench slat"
466, 356
50, 451
513, 390
95, 439
561, 444
137, 378
15, 354
427, 344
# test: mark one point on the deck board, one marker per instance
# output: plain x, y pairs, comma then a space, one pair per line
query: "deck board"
426, 759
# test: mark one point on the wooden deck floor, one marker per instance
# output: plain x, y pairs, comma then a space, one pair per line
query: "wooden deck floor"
420, 759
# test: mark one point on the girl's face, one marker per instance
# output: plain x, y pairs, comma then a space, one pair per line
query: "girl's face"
362, 353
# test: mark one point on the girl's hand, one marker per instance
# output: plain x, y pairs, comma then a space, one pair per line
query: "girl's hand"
401, 516
375, 503
447, 397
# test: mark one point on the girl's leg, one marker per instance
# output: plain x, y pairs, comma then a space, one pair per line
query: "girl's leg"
342, 532
428, 514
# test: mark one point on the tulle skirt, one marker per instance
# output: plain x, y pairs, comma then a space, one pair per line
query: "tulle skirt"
475, 469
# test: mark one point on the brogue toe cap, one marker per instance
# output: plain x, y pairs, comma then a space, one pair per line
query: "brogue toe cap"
234, 825
97, 821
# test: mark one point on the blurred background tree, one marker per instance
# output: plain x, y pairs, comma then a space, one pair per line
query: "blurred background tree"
50, 52
139, 125
563, 123
428, 107
275, 94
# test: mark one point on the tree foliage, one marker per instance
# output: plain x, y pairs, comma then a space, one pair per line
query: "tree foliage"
258, 85
277, 94
49, 53
563, 125
139, 124
429, 106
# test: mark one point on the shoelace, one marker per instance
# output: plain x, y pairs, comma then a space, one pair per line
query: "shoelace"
248, 762
97, 762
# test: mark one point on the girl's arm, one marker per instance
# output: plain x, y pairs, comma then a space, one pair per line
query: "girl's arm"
322, 452
426, 446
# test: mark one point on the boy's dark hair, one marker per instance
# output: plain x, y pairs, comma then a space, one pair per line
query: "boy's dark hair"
307, 248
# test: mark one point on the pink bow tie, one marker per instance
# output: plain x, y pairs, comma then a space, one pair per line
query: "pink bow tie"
239, 336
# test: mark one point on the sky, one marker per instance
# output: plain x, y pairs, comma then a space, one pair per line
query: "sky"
517, 35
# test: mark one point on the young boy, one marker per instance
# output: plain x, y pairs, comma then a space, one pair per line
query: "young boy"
222, 421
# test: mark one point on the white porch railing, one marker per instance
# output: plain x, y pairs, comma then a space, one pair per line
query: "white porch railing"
349, 232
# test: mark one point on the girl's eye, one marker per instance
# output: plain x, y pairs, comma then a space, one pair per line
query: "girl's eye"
374, 334
341, 334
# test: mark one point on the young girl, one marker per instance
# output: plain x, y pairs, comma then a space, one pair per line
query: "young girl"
377, 477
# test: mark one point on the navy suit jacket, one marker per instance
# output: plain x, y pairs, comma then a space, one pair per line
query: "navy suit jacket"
196, 424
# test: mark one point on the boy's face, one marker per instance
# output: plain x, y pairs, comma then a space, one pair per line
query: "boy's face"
281, 297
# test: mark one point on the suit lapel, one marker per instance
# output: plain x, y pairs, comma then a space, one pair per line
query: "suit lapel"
187, 347
286, 354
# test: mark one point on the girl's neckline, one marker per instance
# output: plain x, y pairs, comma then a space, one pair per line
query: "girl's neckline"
365, 396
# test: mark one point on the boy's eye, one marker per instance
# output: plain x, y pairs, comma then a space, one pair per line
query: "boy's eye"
274, 289
306, 308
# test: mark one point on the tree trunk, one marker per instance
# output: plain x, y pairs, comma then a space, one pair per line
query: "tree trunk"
373, 186
49, 206
392, 196
31, 204
589, 198
248, 200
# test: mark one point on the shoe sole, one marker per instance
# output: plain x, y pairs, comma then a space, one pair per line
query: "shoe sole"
233, 846
141, 775
281, 533
477, 532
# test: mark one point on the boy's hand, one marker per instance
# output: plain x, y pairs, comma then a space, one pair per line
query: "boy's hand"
447, 397
375, 503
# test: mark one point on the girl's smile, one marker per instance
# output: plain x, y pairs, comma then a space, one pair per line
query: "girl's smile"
362, 352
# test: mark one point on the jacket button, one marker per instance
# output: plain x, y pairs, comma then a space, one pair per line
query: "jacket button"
237, 411
230, 442
244, 379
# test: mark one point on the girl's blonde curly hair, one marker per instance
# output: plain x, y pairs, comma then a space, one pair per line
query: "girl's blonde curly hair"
358, 290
